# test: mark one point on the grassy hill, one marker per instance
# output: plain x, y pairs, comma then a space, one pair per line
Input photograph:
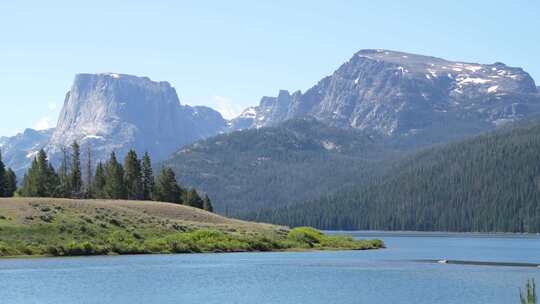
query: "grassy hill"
60, 227
272, 167
490, 183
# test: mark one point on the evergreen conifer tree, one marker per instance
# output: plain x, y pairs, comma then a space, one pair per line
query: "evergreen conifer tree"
10, 183
75, 175
192, 198
41, 179
207, 204
2, 177
167, 189
147, 177
114, 186
133, 176
100, 180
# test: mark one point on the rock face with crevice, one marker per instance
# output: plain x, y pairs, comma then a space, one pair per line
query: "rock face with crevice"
398, 94
117, 112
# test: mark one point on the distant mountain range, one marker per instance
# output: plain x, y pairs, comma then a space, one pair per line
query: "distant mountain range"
116, 112
292, 147
402, 102
400, 94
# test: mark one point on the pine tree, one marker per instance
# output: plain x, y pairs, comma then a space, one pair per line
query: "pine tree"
100, 180
133, 177
192, 198
207, 204
75, 176
167, 189
10, 183
41, 179
114, 177
147, 177
2, 177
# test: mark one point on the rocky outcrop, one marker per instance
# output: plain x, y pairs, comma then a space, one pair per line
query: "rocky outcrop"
399, 94
117, 112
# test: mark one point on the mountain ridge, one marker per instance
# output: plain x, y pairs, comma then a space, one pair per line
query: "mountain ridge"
402, 94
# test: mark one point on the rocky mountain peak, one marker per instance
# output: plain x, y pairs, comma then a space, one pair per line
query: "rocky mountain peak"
116, 112
401, 94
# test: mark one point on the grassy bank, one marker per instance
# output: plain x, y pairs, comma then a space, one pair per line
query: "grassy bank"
56, 227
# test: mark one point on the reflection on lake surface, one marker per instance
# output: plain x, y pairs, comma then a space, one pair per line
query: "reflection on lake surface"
393, 275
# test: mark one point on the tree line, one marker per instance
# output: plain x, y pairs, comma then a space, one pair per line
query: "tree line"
132, 180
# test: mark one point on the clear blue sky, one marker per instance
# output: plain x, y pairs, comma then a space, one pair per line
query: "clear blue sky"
227, 54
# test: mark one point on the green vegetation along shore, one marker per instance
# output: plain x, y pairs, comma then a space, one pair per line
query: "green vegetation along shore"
62, 227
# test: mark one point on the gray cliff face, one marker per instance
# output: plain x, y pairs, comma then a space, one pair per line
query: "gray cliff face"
400, 94
116, 112
19, 150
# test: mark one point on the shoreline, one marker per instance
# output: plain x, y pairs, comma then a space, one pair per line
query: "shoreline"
295, 250
412, 233
33, 227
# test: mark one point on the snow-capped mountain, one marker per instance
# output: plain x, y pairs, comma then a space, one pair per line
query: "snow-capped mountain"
395, 93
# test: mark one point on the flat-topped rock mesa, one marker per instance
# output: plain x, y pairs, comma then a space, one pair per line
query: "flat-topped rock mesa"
117, 112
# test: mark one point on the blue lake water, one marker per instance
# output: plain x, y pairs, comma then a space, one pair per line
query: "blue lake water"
392, 275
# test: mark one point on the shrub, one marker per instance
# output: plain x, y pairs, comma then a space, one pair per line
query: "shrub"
306, 235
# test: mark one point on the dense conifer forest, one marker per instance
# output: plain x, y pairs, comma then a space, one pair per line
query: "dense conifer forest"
271, 167
490, 183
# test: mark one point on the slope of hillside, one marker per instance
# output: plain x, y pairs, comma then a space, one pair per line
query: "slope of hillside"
490, 183
58, 227
271, 167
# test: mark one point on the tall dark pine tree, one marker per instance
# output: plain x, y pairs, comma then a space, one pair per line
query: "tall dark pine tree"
11, 183
114, 176
2, 177
167, 189
207, 204
100, 180
75, 175
147, 177
192, 198
133, 176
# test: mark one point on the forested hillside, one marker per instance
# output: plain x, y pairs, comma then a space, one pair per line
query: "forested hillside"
272, 167
490, 183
